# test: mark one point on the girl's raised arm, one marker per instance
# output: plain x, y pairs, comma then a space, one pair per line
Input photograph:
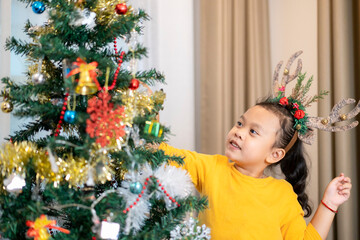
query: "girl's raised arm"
336, 193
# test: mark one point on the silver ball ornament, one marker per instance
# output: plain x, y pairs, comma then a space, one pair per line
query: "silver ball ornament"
38, 78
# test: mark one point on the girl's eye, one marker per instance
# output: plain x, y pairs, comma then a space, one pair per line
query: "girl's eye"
239, 123
253, 131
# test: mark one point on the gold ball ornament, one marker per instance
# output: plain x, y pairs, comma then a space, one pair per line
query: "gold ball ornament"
324, 121
6, 107
343, 117
298, 127
286, 71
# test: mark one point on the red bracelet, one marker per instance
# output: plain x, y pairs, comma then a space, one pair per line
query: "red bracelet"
328, 207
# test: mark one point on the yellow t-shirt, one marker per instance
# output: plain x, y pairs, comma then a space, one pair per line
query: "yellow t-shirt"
243, 207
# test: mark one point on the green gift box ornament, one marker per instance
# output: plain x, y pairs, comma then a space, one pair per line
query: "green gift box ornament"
153, 128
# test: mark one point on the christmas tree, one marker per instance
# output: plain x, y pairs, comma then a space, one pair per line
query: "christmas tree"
82, 168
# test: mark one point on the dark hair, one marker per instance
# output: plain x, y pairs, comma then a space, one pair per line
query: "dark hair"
293, 165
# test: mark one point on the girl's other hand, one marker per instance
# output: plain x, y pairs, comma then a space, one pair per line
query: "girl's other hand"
337, 192
152, 146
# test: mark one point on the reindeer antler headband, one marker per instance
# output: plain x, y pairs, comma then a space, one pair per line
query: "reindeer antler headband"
298, 101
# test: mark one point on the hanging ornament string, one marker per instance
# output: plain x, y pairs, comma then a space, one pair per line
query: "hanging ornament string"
105, 88
134, 83
74, 103
120, 61
7, 105
38, 77
134, 62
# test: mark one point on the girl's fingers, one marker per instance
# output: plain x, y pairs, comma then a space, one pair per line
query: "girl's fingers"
347, 179
347, 186
344, 186
345, 192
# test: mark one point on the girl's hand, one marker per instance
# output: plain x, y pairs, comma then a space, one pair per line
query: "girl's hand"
337, 192
152, 146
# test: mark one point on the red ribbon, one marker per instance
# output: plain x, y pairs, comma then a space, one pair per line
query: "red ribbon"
83, 66
38, 228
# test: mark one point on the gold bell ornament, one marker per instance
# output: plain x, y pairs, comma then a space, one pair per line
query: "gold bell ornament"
88, 83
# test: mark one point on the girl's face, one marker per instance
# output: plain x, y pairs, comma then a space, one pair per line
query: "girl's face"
250, 142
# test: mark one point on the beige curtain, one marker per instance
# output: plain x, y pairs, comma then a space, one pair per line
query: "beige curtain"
338, 38
234, 65
235, 70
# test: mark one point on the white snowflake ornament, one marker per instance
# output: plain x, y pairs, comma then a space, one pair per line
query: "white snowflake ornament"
189, 230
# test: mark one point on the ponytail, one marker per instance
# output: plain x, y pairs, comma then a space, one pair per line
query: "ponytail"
295, 169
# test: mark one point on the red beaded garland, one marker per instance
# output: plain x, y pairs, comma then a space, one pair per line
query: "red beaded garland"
142, 192
58, 127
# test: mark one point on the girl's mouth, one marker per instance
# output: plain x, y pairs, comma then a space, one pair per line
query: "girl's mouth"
234, 144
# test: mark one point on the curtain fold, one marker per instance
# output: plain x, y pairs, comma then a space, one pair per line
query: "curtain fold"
337, 27
234, 65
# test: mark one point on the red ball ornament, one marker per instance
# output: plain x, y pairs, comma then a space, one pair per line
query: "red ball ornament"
134, 84
121, 8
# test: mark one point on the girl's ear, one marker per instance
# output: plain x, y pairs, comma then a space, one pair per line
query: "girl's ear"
276, 155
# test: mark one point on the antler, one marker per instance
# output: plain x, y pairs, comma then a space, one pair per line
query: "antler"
325, 124
286, 77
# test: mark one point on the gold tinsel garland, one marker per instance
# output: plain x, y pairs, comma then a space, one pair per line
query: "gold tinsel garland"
138, 103
15, 157
135, 104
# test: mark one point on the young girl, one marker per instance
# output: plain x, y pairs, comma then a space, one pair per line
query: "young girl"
246, 204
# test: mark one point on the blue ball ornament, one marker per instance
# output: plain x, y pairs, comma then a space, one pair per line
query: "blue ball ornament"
136, 187
70, 116
38, 7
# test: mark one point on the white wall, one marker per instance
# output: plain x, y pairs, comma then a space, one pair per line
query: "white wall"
169, 35
170, 38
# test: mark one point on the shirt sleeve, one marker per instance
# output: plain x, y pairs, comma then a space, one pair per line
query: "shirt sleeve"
294, 225
195, 163
297, 229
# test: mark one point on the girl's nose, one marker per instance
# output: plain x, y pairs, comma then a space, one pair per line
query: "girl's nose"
240, 134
